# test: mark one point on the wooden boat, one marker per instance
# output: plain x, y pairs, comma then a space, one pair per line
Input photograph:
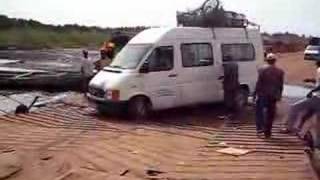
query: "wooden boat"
31, 78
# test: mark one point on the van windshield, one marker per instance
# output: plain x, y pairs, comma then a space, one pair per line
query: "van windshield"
130, 56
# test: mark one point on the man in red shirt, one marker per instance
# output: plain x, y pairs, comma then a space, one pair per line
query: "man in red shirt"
269, 89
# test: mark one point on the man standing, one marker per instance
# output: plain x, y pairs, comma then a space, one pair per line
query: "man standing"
107, 55
86, 71
309, 106
231, 85
269, 89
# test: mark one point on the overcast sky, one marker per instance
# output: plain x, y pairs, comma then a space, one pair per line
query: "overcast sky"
298, 16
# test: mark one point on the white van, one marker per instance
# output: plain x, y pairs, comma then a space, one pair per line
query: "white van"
312, 52
163, 68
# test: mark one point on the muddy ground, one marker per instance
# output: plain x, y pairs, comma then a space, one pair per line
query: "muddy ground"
296, 68
71, 141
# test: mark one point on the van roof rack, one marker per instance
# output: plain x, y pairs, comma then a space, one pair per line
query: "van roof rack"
211, 14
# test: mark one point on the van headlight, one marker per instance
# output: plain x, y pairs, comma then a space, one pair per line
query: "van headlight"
96, 92
113, 95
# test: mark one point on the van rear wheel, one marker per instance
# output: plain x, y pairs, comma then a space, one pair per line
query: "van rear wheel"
139, 108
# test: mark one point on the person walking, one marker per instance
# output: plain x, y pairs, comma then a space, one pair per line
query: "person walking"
269, 89
304, 108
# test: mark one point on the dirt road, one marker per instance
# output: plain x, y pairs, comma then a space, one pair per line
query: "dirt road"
296, 68
68, 142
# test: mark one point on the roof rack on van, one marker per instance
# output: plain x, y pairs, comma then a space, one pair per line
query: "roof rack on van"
211, 14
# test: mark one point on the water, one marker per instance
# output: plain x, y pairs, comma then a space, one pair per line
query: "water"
10, 100
292, 93
8, 61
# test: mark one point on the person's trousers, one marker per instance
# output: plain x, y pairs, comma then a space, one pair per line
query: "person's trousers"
230, 99
308, 106
265, 114
85, 84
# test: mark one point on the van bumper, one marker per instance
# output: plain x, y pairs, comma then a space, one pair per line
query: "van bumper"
105, 105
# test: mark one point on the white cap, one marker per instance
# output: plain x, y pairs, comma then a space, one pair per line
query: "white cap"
271, 56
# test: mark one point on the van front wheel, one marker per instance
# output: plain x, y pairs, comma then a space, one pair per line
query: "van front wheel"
139, 108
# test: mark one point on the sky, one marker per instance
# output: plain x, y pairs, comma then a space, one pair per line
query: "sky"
296, 16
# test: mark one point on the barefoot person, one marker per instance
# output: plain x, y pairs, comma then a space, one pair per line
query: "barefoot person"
268, 91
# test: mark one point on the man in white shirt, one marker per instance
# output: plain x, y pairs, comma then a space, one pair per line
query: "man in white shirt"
87, 70
309, 106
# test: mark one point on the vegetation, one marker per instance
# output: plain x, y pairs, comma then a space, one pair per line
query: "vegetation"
30, 34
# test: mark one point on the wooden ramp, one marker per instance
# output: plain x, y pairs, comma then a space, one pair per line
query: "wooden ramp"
179, 151
281, 157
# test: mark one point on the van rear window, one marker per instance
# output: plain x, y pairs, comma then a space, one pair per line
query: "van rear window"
238, 52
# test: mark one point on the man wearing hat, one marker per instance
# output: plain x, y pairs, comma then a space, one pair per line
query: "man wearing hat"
269, 89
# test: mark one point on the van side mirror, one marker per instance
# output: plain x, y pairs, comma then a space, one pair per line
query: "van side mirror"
144, 68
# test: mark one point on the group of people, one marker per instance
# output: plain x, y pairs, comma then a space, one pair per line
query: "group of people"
89, 67
268, 92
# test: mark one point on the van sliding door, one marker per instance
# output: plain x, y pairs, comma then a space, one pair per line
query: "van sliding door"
198, 81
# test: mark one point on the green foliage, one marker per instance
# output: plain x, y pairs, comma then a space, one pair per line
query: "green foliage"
30, 34
40, 38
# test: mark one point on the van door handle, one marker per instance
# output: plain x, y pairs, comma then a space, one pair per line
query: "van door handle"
173, 75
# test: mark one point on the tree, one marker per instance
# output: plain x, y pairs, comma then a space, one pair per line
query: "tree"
5, 22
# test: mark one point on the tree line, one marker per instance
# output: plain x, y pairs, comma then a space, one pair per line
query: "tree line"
31, 34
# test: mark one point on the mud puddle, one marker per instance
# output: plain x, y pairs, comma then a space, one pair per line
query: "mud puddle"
11, 99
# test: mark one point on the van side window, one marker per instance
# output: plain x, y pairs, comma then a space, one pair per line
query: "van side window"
238, 52
161, 59
199, 54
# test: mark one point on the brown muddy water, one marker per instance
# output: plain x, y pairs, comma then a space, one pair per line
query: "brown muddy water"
62, 60
66, 60
10, 99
